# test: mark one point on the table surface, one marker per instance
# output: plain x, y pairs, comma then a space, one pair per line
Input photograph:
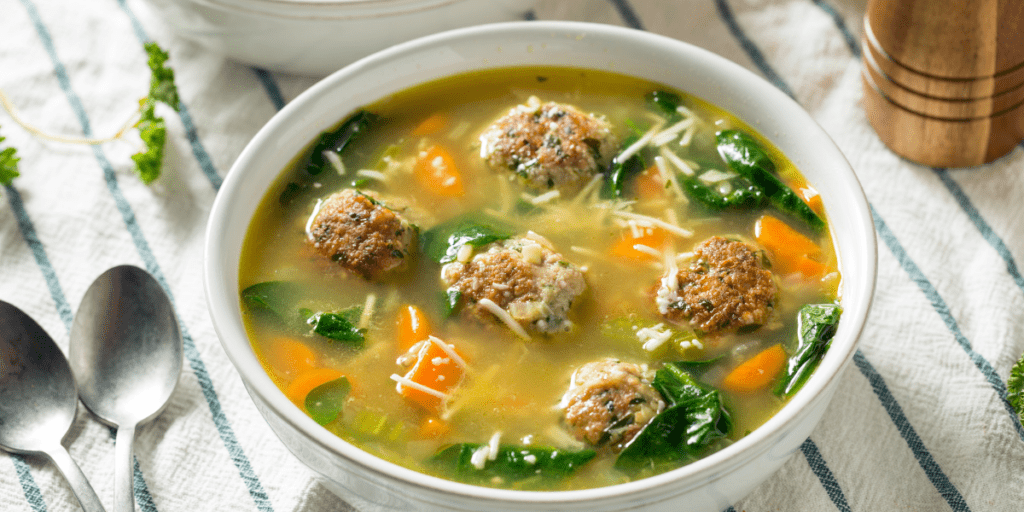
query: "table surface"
920, 421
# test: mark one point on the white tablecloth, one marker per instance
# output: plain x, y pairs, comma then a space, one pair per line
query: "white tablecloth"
920, 422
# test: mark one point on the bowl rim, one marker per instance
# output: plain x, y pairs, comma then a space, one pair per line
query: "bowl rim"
223, 301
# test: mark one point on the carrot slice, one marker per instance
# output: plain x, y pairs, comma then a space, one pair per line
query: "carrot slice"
306, 382
655, 238
412, 327
436, 171
650, 184
431, 125
288, 357
757, 372
787, 246
812, 198
434, 369
433, 427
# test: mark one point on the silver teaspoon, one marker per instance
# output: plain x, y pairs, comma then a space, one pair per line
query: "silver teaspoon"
38, 398
126, 353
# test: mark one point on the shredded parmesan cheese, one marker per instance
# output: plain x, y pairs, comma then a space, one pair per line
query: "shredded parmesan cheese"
493, 445
543, 198
480, 456
372, 174
405, 381
336, 162
672, 228
646, 249
364, 319
506, 318
653, 337
448, 350
678, 162
312, 217
635, 147
670, 177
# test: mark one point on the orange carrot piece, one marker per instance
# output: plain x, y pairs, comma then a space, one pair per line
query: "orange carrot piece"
812, 198
306, 382
431, 125
288, 357
436, 171
433, 427
436, 370
412, 327
809, 267
650, 184
757, 372
655, 238
787, 246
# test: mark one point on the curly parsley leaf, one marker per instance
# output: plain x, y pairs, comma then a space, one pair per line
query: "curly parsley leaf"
8, 165
1015, 388
152, 128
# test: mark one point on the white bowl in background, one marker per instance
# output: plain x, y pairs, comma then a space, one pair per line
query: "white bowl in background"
712, 483
317, 37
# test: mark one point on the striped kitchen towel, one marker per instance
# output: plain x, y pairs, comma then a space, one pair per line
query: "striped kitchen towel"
920, 421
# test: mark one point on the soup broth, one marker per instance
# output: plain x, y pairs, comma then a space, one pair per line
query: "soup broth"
351, 344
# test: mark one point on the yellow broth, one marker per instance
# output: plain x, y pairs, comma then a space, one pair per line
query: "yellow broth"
512, 385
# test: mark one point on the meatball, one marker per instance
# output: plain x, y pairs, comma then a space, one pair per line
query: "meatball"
531, 282
360, 233
609, 402
724, 289
549, 145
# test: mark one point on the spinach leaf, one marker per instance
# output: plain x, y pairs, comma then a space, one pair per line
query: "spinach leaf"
8, 164
744, 155
666, 102
442, 242
337, 140
511, 463
620, 172
340, 326
816, 326
745, 195
325, 402
691, 367
276, 297
1015, 388
450, 299
695, 418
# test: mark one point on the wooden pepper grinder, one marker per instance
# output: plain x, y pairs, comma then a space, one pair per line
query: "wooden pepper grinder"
944, 79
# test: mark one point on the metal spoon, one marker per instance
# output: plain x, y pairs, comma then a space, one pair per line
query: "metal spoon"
38, 398
126, 354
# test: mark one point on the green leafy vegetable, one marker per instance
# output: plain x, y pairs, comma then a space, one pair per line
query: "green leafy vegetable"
8, 164
277, 297
624, 329
152, 129
745, 156
511, 462
666, 102
450, 302
340, 326
325, 402
744, 196
442, 242
336, 141
1015, 388
695, 418
620, 172
816, 326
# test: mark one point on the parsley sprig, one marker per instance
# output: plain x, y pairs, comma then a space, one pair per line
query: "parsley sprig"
1015, 388
8, 164
152, 128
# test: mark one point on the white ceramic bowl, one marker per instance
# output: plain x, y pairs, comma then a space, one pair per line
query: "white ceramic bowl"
712, 483
317, 37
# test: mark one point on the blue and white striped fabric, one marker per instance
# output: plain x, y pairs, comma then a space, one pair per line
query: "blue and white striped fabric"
920, 422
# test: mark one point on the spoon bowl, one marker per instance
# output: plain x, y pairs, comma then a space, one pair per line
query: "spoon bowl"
126, 353
38, 398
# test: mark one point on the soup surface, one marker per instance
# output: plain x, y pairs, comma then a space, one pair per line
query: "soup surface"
540, 278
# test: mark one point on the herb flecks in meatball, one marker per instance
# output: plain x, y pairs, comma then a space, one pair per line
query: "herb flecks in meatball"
533, 283
549, 145
609, 402
360, 233
725, 288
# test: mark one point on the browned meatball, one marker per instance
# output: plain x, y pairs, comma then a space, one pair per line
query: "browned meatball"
360, 234
724, 289
550, 145
534, 284
609, 402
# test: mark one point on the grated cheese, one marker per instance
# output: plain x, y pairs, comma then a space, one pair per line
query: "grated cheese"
672, 228
653, 337
448, 350
312, 217
668, 176
493, 445
646, 249
405, 381
506, 318
635, 147
480, 456
336, 162
678, 162
372, 174
364, 319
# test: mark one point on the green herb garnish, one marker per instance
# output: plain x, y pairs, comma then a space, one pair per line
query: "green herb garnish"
1015, 388
8, 164
152, 129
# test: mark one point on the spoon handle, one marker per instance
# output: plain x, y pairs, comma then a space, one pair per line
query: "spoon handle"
124, 459
76, 479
